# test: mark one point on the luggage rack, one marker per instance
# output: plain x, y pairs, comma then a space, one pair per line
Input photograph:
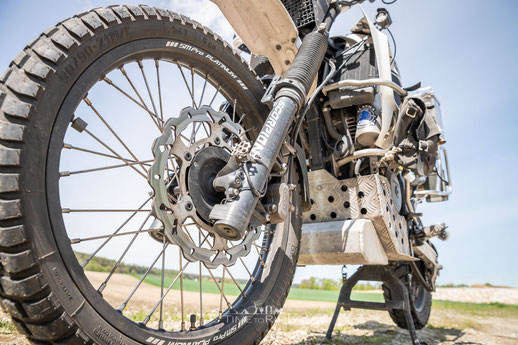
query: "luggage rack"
399, 298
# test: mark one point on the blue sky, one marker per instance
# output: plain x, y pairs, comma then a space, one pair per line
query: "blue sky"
467, 52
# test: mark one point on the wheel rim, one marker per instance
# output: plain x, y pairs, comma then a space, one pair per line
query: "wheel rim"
134, 165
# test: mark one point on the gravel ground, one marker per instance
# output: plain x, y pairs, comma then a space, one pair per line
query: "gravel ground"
304, 322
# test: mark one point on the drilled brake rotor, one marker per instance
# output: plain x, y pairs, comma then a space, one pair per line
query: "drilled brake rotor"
190, 152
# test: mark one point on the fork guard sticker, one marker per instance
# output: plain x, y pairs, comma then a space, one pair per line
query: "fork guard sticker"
190, 48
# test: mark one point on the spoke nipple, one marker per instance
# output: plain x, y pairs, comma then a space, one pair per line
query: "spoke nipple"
67, 146
252, 279
65, 210
182, 327
87, 101
75, 240
107, 80
79, 124
122, 307
101, 288
64, 173
84, 263
156, 62
193, 322
123, 71
140, 64
146, 320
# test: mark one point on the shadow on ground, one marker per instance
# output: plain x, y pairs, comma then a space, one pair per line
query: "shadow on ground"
386, 334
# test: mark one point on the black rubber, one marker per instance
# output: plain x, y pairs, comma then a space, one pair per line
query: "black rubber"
45, 294
307, 63
261, 65
420, 302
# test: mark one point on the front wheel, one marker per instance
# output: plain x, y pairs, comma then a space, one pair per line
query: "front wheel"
83, 238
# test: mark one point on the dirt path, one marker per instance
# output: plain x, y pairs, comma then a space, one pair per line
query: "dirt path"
305, 322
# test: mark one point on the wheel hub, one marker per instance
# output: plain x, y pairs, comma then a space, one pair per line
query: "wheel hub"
204, 168
192, 149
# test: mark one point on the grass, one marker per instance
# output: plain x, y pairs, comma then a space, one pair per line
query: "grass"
479, 309
7, 327
330, 295
231, 289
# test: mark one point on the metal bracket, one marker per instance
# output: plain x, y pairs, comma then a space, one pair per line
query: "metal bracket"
269, 95
399, 298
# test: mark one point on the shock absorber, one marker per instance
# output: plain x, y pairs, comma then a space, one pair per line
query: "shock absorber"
231, 218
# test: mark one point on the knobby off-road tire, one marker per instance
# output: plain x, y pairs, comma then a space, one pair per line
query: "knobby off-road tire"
420, 302
40, 286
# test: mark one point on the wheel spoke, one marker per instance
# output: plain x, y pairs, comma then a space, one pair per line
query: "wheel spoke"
221, 294
68, 173
234, 110
114, 152
187, 86
235, 282
192, 88
247, 270
143, 106
181, 292
258, 253
71, 147
148, 317
79, 240
214, 97
141, 66
219, 288
201, 286
103, 285
85, 262
241, 118
126, 301
161, 321
203, 91
89, 103
68, 210
159, 89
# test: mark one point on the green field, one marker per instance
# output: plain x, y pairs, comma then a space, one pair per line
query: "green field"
232, 290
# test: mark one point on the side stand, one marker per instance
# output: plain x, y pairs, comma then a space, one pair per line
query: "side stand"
398, 300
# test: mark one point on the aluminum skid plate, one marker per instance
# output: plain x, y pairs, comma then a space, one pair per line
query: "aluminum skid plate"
363, 197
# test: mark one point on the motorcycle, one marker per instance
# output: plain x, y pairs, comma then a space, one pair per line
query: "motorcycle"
312, 153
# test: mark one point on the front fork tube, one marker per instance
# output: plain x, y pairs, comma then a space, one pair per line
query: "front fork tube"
234, 216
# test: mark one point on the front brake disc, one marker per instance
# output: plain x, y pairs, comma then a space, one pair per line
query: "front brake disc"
174, 153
